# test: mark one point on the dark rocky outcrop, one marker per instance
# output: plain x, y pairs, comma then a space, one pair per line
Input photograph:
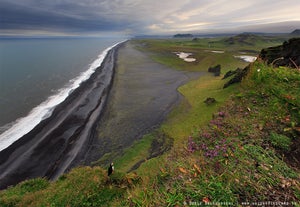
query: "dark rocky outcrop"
229, 73
216, 70
287, 54
239, 75
210, 101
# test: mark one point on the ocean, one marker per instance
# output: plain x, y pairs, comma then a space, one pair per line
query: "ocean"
36, 74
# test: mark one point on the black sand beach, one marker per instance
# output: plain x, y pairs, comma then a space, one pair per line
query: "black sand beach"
80, 131
53, 145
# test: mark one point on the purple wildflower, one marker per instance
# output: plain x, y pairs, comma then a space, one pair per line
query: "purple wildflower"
191, 144
216, 123
206, 135
221, 114
204, 147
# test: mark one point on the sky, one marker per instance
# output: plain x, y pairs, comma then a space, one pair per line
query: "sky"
146, 17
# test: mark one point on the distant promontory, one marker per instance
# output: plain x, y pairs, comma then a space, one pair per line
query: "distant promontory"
183, 36
296, 32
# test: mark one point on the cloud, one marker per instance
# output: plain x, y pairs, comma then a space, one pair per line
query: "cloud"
141, 16
24, 17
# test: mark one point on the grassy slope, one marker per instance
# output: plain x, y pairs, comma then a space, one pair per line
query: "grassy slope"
240, 155
248, 163
184, 177
192, 112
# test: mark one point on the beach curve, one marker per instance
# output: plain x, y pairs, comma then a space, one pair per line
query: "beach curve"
56, 142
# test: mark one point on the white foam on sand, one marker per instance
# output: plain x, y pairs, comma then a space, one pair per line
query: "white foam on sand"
185, 56
25, 124
246, 58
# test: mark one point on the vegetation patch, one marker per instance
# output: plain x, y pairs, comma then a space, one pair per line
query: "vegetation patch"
150, 146
239, 157
280, 141
84, 186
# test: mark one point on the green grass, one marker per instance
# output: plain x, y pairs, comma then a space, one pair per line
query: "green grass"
139, 152
13, 196
162, 51
232, 159
280, 141
193, 112
84, 186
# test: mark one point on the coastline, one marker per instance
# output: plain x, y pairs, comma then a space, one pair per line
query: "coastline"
57, 142
142, 95
136, 94
12, 131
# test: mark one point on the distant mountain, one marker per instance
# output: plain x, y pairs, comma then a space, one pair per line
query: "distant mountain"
152, 36
183, 36
244, 38
295, 32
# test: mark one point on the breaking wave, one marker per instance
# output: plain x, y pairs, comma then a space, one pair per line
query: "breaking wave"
25, 124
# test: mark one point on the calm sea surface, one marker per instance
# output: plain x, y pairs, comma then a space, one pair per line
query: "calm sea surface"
32, 70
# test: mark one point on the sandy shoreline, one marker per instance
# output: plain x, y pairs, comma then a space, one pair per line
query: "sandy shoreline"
88, 125
58, 141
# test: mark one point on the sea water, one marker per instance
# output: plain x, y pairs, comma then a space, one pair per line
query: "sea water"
36, 74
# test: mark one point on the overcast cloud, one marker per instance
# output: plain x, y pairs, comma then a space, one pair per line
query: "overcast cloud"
91, 17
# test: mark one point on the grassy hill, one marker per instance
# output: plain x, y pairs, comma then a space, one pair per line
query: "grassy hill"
244, 148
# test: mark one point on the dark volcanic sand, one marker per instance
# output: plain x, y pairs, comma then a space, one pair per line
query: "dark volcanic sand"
143, 93
57, 143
